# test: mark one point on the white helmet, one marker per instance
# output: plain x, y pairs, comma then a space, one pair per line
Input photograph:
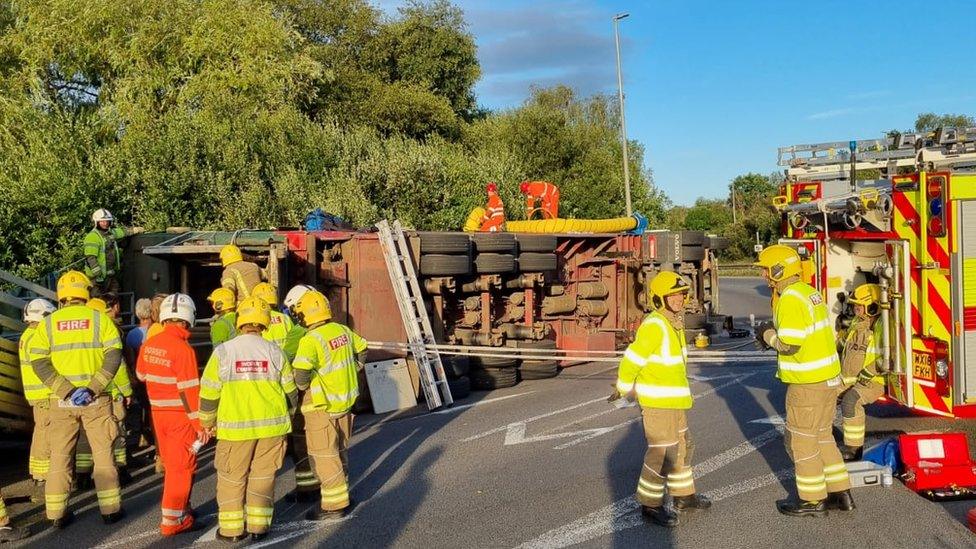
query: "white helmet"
102, 214
178, 307
37, 309
295, 294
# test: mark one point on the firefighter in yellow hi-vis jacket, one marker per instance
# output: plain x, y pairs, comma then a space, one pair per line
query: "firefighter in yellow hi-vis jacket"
76, 352
327, 364
863, 367
654, 368
247, 393
802, 335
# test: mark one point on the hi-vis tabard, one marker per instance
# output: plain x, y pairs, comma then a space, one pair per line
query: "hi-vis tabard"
76, 339
801, 319
654, 365
329, 351
866, 369
250, 377
34, 389
277, 331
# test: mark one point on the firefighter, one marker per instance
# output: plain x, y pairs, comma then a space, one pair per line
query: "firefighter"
239, 276
103, 261
8, 532
76, 352
494, 218
653, 367
223, 327
39, 398
306, 485
246, 397
862, 362
542, 197
282, 331
327, 365
168, 366
802, 336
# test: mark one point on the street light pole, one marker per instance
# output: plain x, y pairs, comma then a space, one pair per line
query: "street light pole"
623, 119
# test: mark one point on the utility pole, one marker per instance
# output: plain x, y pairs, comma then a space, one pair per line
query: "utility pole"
733, 204
623, 119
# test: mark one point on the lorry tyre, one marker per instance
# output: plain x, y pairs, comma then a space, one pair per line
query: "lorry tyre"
456, 366
494, 263
537, 262
543, 243
494, 242
444, 243
492, 378
493, 362
539, 369
444, 265
460, 387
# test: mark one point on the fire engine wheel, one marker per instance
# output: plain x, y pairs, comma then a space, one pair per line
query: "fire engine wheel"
460, 387
536, 262
456, 366
494, 263
494, 242
692, 253
692, 238
717, 243
493, 362
493, 378
538, 369
544, 243
444, 243
444, 265
695, 321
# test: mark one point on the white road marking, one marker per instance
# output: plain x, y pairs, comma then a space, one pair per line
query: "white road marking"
772, 420
739, 451
504, 428
749, 485
453, 409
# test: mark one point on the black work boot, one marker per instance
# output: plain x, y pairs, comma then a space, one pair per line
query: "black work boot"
11, 533
319, 514
303, 496
231, 539
841, 501
64, 521
851, 453
660, 515
112, 518
692, 502
803, 508
258, 537
125, 478
83, 482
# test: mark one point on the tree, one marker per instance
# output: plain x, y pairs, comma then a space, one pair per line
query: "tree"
926, 122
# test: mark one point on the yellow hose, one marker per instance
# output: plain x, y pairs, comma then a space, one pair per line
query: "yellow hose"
473, 223
616, 225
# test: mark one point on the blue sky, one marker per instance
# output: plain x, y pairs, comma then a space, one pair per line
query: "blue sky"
713, 87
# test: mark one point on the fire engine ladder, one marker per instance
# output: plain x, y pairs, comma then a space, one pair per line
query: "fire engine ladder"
951, 148
420, 336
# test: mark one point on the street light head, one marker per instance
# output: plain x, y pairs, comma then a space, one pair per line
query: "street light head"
620, 16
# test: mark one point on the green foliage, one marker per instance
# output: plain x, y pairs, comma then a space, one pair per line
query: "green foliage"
929, 121
224, 114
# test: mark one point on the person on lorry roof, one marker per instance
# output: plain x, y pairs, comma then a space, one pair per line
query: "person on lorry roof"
862, 367
541, 197
239, 276
802, 336
103, 261
494, 218
653, 368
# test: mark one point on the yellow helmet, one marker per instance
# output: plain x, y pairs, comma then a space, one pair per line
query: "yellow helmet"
222, 300
74, 285
663, 284
98, 304
230, 254
781, 261
253, 310
868, 295
312, 308
267, 292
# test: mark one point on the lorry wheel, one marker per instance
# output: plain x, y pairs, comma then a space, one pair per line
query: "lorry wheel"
538, 369
444, 265
456, 366
494, 242
491, 378
537, 262
444, 243
493, 362
494, 263
544, 243
460, 387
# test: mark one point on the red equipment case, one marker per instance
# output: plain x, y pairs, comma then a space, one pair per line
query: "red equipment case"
938, 465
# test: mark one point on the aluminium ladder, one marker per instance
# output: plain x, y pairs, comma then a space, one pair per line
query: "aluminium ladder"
420, 336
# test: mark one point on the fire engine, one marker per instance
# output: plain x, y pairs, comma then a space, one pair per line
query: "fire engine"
899, 211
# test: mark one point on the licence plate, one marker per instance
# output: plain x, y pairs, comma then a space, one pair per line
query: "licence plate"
922, 366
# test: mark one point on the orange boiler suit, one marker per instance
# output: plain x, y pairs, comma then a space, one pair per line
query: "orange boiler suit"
168, 366
545, 194
494, 217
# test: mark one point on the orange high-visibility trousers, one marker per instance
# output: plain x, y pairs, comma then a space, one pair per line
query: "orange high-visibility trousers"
494, 218
546, 195
175, 435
